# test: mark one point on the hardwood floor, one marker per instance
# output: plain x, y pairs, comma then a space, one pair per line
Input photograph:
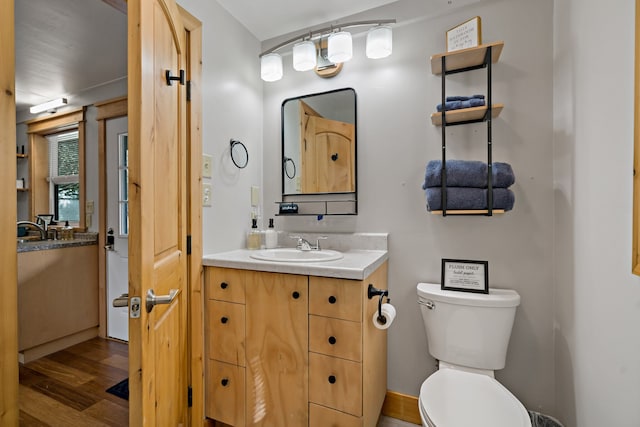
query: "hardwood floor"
67, 388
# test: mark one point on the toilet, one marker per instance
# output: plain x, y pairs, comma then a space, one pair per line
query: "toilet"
468, 334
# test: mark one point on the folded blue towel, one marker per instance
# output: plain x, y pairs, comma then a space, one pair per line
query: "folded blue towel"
464, 198
468, 173
463, 98
458, 105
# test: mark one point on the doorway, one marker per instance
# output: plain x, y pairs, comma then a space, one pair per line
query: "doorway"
117, 227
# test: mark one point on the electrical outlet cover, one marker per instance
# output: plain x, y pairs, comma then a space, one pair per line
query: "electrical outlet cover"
206, 195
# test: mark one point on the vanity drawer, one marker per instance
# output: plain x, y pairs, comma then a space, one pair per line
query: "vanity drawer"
338, 298
319, 416
225, 331
336, 383
225, 387
335, 337
225, 284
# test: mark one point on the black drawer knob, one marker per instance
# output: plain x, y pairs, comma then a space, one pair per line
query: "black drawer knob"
224, 382
332, 340
332, 299
295, 294
224, 319
332, 379
224, 285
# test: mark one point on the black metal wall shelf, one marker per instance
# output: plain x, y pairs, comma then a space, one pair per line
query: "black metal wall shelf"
463, 60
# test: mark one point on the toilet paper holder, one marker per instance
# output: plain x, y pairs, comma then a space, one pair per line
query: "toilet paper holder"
372, 292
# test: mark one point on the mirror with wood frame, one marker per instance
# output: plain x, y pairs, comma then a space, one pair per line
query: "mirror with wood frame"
319, 143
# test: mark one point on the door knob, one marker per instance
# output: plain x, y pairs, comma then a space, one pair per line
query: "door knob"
152, 299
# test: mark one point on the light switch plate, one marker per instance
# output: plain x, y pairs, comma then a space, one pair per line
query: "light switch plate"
89, 207
206, 195
207, 165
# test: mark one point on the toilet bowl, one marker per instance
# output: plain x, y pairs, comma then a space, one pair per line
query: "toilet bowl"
468, 334
454, 398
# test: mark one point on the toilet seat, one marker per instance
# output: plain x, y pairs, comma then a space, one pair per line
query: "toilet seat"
453, 398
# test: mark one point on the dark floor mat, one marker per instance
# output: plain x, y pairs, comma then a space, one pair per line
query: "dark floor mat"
121, 389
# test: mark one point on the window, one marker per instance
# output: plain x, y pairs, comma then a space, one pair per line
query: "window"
64, 187
123, 184
57, 168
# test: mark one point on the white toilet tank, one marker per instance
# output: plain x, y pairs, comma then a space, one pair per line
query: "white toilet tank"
468, 329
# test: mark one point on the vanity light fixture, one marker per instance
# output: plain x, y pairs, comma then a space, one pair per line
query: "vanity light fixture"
305, 57
379, 42
47, 106
339, 47
271, 67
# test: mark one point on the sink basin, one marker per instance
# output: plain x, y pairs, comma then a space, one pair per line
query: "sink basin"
296, 255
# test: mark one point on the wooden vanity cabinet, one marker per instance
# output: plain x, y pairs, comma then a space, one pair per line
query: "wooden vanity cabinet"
307, 350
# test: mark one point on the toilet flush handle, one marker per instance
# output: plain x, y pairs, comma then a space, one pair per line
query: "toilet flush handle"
430, 305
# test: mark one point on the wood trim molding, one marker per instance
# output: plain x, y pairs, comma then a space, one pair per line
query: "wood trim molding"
53, 123
9, 414
402, 407
193, 28
105, 110
635, 236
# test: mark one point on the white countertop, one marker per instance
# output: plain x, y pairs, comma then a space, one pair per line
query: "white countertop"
356, 264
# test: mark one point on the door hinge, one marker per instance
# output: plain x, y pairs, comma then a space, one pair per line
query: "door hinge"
188, 90
189, 397
188, 245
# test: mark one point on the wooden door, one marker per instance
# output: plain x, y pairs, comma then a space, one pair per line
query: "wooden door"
8, 255
328, 157
277, 391
158, 367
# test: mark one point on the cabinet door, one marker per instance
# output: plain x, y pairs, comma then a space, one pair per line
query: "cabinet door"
225, 284
225, 332
338, 298
335, 337
276, 349
335, 383
225, 393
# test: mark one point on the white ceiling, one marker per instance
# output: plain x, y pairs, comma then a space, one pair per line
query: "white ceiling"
272, 18
66, 47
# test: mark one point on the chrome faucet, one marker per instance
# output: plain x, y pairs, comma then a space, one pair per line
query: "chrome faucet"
304, 245
43, 232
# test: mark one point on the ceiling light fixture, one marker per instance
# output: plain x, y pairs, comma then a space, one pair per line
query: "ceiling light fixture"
48, 106
339, 47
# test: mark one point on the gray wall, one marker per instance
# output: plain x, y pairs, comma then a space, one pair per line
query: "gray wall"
231, 108
396, 95
566, 246
597, 339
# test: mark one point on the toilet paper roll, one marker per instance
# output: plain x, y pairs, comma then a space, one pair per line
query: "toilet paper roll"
388, 314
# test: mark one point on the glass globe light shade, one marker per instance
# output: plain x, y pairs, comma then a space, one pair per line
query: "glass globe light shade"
379, 42
271, 67
339, 47
304, 56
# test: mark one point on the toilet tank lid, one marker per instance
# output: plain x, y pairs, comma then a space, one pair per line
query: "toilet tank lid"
495, 298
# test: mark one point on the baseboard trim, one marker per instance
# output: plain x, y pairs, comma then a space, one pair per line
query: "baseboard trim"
33, 353
402, 407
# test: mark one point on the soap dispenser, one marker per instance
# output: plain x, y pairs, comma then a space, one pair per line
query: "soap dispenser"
270, 236
253, 236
